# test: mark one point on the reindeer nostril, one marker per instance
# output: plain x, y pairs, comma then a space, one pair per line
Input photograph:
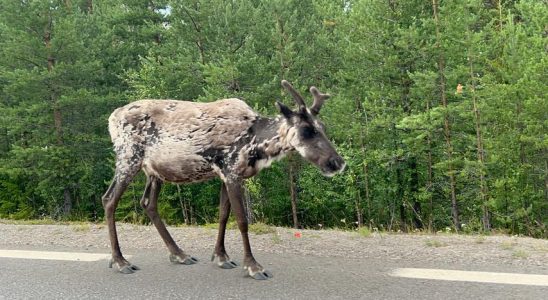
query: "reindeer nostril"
335, 163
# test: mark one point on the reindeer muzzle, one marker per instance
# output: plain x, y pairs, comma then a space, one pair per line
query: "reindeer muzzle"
333, 166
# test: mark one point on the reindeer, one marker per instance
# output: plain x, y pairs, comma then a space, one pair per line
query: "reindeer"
183, 142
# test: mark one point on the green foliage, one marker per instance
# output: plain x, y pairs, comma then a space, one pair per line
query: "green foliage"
261, 228
364, 232
434, 243
64, 68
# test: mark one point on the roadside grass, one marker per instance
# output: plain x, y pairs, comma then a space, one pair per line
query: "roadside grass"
508, 245
434, 243
256, 228
261, 228
480, 239
314, 236
44, 221
84, 227
520, 253
364, 232
211, 226
541, 248
276, 239
229, 225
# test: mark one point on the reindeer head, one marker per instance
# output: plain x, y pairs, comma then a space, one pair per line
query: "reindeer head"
306, 133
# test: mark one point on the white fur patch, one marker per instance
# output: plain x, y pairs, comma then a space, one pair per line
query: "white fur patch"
265, 163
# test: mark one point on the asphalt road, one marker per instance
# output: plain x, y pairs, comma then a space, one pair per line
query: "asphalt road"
295, 277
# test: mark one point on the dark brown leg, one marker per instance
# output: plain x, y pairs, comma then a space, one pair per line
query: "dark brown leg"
235, 193
110, 202
223, 260
149, 202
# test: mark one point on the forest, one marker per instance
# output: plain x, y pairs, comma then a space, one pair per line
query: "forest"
438, 107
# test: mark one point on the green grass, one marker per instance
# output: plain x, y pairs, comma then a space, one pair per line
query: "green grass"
540, 248
257, 228
229, 225
508, 245
314, 236
480, 239
211, 226
434, 243
276, 239
364, 232
45, 221
84, 227
520, 253
261, 228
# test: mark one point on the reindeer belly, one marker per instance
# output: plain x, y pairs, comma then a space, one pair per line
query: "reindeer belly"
179, 168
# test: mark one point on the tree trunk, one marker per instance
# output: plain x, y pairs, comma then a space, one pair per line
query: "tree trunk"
199, 41
68, 5
429, 175
359, 214
57, 117
293, 192
6, 141
545, 176
499, 6
248, 202
411, 161
400, 196
414, 189
67, 203
446, 126
363, 150
184, 207
480, 152
89, 6
282, 46
367, 197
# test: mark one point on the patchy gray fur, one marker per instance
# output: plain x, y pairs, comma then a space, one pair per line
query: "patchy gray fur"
184, 142
181, 141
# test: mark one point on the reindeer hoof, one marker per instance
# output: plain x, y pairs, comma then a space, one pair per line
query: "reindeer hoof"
264, 275
186, 260
125, 268
226, 264
260, 274
128, 269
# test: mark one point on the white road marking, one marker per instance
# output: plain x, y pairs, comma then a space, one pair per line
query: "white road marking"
472, 276
70, 256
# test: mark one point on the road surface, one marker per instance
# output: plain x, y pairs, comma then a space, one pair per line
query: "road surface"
40, 273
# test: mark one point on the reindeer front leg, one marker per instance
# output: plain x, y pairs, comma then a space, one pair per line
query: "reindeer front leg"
220, 255
254, 269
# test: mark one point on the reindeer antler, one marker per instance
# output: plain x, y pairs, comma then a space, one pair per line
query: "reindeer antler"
298, 98
319, 100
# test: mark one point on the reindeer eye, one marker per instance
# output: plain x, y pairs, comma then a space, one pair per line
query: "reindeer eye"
308, 132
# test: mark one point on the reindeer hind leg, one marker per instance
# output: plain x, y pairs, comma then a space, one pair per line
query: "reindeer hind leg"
124, 174
149, 202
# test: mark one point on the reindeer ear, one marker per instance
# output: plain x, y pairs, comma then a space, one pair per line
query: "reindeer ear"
284, 110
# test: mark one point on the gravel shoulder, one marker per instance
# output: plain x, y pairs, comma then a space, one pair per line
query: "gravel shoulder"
446, 249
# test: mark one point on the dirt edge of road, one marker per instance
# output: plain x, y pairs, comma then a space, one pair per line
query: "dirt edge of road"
446, 248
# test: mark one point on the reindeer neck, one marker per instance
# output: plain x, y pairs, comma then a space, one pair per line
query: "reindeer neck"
269, 137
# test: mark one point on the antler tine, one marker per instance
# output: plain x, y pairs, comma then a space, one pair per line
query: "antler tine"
298, 98
319, 100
